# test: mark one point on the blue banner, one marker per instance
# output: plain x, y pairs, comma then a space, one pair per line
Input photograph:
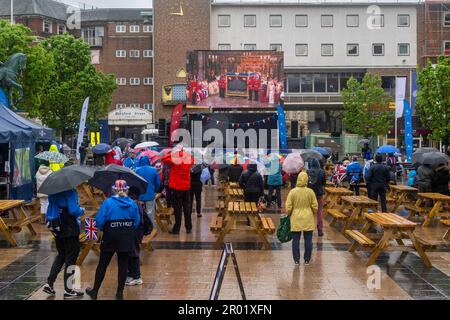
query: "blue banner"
282, 127
408, 131
414, 90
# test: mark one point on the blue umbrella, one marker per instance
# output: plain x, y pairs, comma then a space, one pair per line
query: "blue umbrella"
323, 151
387, 149
101, 148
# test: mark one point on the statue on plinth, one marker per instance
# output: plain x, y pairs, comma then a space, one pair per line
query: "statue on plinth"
9, 74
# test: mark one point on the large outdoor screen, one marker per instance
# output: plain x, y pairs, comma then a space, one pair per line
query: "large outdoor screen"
235, 79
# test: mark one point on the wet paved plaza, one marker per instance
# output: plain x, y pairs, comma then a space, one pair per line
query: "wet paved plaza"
184, 266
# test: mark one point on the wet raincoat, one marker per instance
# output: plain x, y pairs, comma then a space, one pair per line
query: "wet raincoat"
302, 206
54, 166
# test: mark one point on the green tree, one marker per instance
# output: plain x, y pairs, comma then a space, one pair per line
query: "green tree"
36, 78
366, 107
74, 79
433, 100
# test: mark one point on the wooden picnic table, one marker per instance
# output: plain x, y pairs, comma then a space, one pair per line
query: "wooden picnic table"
394, 228
235, 219
440, 204
400, 194
447, 234
234, 185
357, 206
333, 195
17, 219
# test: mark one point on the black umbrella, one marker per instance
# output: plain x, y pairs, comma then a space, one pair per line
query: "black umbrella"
417, 157
435, 158
67, 178
105, 178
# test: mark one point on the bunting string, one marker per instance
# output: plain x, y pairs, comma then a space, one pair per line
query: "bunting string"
240, 124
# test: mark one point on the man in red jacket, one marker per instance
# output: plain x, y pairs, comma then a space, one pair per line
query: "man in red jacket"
180, 163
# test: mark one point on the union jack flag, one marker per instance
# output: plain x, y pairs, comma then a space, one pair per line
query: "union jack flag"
90, 230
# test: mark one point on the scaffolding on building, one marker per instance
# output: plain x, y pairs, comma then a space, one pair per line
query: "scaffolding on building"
435, 33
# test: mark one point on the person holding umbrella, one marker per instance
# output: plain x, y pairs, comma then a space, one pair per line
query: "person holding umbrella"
441, 179
424, 178
150, 175
377, 179
62, 218
55, 166
118, 218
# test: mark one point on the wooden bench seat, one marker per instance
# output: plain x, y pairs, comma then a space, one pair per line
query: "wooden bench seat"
337, 215
216, 224
413, 208
268, 225
360, 238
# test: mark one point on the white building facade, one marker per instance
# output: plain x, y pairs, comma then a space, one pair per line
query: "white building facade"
323, 44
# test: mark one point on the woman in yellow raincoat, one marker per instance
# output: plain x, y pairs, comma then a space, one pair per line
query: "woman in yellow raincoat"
54, 166
301, 206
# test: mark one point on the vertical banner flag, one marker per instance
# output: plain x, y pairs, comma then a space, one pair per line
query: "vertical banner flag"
282, 127
175, 121
82, 125
400, 93
414, 90
408, 131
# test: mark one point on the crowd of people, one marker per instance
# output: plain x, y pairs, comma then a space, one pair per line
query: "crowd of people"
126, 216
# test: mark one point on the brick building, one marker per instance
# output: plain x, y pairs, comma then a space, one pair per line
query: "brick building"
44, 17
121, 43
433, 32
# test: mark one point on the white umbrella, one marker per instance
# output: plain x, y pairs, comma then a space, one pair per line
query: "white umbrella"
293, 163
147, 144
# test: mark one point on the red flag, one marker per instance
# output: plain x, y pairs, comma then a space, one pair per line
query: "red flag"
175, 121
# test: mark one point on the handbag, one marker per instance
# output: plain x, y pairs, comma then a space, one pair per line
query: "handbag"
284, 229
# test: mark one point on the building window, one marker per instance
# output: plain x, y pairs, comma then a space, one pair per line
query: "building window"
148, 106
306, 83
388, 84
135, 105
377, 21
301, 49
403, 49
121, 81
148, 53
121, 105
327, 20
446, 48
148, 28
135, 81
327, 49
293, 83
224, 46
301, 20
276, 47
148, 81
250, 47
249, 21
275, 21
352, 20
121, 53
121, 28
378, 49
134, 28
135, 53
333, 82
447, 19
403, 20
352, 49
224, 21
47, 26
61, 28
93, 36
320, 83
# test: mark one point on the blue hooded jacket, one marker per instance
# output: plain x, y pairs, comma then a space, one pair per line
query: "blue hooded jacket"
130, 163
118, 208
355, 169
150, 175
67, 199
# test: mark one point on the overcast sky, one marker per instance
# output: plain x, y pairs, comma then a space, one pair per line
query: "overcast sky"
111, 3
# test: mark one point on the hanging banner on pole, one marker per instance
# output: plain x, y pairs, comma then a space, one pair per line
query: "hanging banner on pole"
400, 95
282, 127
408, 131
82, 125
414, 90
